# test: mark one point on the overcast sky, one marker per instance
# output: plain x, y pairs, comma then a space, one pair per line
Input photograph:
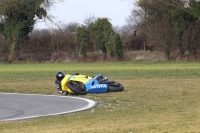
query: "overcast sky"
77, 10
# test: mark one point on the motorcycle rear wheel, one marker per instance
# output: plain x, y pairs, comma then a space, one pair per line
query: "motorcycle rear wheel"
77, 87
115, 87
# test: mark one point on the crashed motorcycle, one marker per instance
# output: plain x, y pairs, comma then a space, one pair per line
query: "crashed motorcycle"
82, 84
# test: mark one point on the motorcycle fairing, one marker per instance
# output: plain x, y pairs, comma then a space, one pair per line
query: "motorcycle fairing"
79, 78
63, 84
92, 86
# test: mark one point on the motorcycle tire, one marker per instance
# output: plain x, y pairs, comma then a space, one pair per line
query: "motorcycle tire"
77, 87
115, 87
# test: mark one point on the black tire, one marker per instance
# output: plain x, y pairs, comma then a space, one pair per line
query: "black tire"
77, 87
115, 87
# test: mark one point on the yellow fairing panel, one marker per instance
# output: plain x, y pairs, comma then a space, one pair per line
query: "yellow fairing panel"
68, 78
80, 78
64, 84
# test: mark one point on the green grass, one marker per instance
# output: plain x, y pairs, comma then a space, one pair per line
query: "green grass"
158, 97
121, 70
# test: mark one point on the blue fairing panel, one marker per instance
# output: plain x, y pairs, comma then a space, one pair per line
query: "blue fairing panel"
92, 86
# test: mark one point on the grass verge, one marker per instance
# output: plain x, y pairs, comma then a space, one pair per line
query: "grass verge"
158, 97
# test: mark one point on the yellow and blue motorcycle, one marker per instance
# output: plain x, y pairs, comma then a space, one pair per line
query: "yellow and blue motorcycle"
82, 84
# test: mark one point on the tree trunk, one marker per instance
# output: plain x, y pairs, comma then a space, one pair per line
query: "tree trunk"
181, 47
105, 56
167, 54
14, 52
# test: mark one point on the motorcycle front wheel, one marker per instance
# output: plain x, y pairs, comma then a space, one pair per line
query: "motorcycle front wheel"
77, 87
115, 87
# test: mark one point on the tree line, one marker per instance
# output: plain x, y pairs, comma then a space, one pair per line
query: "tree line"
18, 19
69, 40
99, 35
170, 25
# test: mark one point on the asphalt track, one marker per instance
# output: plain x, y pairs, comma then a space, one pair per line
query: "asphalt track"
14, 106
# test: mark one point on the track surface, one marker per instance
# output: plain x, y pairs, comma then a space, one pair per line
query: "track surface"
15, 106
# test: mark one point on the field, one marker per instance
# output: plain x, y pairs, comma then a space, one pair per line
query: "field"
158, 97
